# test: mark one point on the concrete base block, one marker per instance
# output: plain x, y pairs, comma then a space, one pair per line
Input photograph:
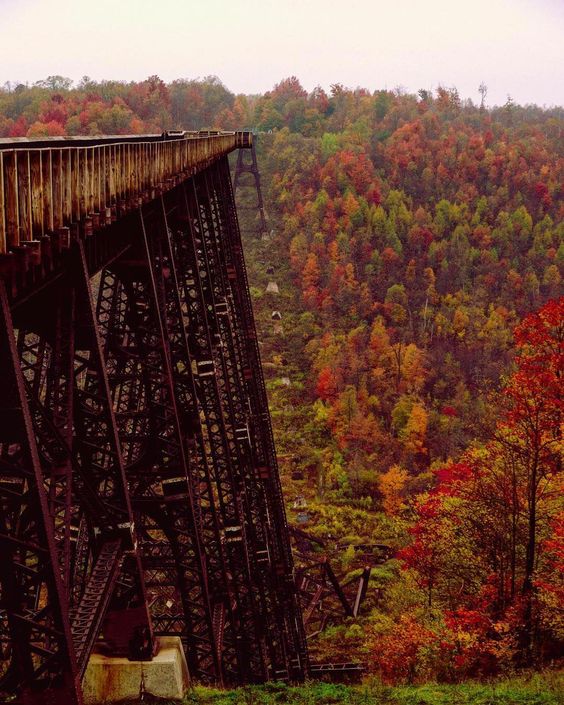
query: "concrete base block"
110, 679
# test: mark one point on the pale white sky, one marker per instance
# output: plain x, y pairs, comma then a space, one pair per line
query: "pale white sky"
514, 46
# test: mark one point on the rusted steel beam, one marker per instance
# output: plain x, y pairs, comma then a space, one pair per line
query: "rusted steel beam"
361, 590
205, 304
253, 434
37, 650
140, 317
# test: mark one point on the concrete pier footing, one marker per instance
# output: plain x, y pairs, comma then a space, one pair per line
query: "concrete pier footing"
110, 679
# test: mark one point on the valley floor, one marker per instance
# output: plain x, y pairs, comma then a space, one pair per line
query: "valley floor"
546, 688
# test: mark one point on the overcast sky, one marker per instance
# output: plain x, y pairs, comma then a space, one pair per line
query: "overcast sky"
514, 46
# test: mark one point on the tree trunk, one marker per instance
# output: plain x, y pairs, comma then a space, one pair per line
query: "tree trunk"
528, 588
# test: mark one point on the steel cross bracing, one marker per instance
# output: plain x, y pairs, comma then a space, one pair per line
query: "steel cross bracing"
205, 350
139, 493
283, 610
240, 614
65, 387
35, 635
242, 167
144, 344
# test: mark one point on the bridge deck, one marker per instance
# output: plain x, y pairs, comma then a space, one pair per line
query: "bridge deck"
56, 183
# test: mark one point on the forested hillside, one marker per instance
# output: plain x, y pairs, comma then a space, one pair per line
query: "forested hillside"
415, 367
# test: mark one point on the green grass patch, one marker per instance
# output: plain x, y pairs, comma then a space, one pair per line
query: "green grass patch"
546, 688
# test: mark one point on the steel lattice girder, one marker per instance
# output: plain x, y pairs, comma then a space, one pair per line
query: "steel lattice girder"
161, 487
217, 196
244, 167
150, 480
34, 622
208, 353
89, 515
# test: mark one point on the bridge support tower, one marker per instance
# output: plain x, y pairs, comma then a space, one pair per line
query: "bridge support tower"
247, 164
139, 491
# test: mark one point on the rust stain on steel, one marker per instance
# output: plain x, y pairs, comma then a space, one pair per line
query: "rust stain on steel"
53, 183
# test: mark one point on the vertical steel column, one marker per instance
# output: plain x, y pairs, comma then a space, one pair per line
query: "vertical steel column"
59, 395
173, 317
47, 356
232, 641
223, 200
116, 572
262, 548
142, 419
206, 349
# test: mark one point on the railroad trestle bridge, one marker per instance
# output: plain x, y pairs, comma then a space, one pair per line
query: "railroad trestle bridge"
139, 491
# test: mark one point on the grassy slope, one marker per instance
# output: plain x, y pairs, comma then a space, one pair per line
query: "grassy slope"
540, 689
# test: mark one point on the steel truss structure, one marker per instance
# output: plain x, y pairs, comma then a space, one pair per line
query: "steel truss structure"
249, 165
139, 491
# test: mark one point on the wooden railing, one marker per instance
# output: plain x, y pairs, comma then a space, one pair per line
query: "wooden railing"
52, 184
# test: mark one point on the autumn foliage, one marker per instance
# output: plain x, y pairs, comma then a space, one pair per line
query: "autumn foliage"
428, 257
487, 537
418, 249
